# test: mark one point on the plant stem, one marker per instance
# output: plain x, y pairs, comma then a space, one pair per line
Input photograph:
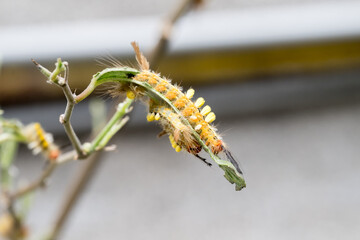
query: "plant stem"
38, 183
89, 89
41, 181
16, 230
73, 196
70, 98
65, 118
7, 153
65, 121
122, 109
161, 47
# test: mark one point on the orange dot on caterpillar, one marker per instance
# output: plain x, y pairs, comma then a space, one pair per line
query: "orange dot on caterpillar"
172, 94
153, 81
161, 87
181, 102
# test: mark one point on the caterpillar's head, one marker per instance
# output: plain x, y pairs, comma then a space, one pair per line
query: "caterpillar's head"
194, 149
217, 146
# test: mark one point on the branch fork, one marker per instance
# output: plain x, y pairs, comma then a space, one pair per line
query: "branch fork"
113, 126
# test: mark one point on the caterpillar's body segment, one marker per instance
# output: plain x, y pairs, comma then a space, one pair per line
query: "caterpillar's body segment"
40, 141
188, 126
188, 109
179, 134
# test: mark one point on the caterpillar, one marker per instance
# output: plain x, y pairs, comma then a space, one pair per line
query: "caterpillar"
199, 119
172, 124
179, 134
40, 141
187, 124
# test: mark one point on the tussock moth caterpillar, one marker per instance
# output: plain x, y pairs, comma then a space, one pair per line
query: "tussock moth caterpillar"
32, 134
40, 141
187, 124
199, 119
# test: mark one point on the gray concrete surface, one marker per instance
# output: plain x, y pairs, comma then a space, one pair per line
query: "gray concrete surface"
301, 167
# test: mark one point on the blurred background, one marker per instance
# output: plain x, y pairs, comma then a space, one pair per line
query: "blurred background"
283, 77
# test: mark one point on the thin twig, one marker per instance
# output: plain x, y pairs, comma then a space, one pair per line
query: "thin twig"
65, 121
15, 233
65, 118
41, 181
38, 183
70, 98
73, 196
161, 47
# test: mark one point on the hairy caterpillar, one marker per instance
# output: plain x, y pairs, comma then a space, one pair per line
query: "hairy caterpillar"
187, 124
199, 119
40, 141
32, 134
179, 134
